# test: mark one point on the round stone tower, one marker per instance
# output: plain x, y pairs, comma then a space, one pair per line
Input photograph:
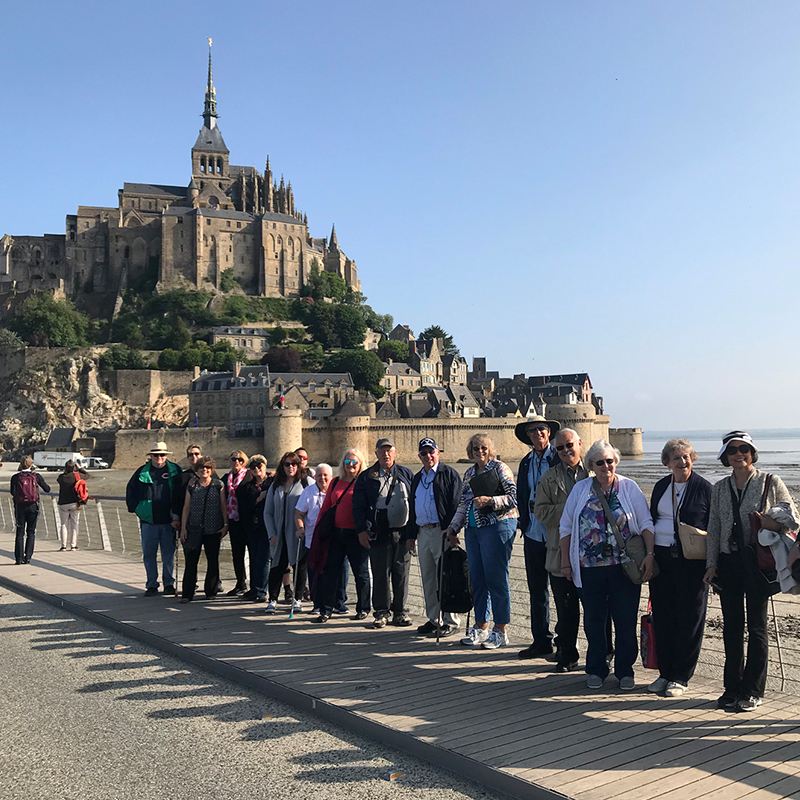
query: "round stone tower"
283, 431
578, 416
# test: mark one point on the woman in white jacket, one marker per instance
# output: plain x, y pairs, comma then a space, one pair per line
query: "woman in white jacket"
591, 558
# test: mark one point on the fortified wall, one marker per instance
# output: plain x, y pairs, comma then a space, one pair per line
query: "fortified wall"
143, 387
326, 440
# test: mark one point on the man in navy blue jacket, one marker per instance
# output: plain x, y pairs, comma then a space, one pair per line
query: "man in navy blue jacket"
435, 494
536, 431
378, 498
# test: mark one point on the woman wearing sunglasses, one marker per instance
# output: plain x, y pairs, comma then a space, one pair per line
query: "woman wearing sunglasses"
204, 523
733, 500
238, 474
488, 510
344, 543
591, 559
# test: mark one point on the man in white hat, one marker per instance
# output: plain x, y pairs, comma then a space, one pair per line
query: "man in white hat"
149, 495
537, 432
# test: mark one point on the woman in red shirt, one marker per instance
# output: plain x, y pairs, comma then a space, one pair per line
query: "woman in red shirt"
344, 541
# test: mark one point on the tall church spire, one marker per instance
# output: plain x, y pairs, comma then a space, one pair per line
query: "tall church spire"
210, 107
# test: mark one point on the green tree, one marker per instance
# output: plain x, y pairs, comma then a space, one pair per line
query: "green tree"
236, 306
321, 324
277, 335
227, 280
9, 341
43, 321
120, 356
169, 359
350, 327
437, 332
364, 366
397, 351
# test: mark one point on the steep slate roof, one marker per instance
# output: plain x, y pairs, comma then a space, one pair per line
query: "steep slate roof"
349, 409
154, 188
210, 139
60, 437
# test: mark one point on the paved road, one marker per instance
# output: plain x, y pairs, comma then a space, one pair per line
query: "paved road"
82, 719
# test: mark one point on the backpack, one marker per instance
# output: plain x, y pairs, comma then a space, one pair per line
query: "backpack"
455, 587
397, 509
81, 492
26, 491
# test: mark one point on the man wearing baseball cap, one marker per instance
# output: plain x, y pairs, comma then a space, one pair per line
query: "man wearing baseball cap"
380, 514
149, 495
435, 493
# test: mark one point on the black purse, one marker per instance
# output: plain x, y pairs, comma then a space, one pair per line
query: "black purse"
487, 484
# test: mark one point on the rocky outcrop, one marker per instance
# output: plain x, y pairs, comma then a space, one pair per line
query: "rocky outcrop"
64, 392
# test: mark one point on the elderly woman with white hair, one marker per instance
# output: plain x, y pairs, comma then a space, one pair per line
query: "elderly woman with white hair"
678, 593
737, 502
592, 559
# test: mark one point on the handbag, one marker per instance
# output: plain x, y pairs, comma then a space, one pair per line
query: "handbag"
759, 576
634, 550
647, 639
693, 540
486, 484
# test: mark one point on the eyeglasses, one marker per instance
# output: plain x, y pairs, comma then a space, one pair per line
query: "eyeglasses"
236, 458
349, 462
257, 464
203, 469
567, 446
538, 428
604, 462
480, 449
732, 449
194, 454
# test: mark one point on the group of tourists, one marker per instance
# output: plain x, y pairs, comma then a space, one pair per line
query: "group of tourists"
590, 535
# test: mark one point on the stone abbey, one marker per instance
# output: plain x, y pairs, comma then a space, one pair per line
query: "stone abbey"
227, 218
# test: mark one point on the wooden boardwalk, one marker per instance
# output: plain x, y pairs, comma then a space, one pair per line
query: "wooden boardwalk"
513, 726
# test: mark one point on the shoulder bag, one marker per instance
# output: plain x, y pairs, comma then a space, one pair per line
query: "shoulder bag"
397, 509
693, 540
634, 550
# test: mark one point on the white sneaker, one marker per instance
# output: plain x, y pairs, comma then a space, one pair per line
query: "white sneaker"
475, 636
658, 685
675, 689
271, 607
297, 605
496, 639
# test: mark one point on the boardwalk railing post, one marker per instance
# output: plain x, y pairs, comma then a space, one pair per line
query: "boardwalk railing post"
103, 530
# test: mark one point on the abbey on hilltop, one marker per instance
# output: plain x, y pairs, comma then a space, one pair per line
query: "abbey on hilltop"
227, 218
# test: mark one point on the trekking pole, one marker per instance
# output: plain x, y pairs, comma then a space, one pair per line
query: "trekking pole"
778, 641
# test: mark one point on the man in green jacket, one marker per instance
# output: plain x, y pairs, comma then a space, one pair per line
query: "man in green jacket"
149, 495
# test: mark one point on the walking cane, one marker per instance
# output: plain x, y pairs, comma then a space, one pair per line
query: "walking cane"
778, 641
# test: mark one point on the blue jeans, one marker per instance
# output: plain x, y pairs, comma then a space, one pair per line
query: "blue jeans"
488, 554
607, 591
154, 536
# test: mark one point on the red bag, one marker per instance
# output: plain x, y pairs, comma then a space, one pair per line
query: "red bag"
647, 640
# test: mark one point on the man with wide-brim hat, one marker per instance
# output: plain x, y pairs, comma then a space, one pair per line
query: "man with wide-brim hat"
537, 432
149, 495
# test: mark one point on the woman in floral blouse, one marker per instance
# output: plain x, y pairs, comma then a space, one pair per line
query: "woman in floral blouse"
491, 524
592, 560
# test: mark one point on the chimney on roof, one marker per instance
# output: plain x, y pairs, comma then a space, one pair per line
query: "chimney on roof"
196, 372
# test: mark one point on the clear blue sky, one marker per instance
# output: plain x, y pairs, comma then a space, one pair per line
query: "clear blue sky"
600, 186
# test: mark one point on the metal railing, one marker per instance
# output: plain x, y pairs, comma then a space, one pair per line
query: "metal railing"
105, 524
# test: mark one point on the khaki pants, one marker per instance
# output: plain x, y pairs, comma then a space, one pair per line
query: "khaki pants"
429, 551
69, 524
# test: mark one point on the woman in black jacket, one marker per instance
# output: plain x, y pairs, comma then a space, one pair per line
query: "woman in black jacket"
678, 593
25, 485
251, 495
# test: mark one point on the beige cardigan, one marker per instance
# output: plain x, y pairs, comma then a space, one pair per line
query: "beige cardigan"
720, 522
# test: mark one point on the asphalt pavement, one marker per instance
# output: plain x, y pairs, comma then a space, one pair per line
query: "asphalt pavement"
89, 714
